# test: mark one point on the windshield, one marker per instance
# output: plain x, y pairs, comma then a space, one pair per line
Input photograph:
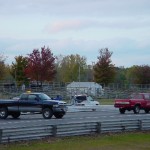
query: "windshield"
90, 98
80, 98
44, 97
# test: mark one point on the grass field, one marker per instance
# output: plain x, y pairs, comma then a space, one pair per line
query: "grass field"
126, 141
106, 101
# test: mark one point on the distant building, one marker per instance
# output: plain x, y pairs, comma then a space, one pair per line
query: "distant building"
90, 88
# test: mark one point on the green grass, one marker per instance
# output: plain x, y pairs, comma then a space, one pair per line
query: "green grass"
106, 101
126, 141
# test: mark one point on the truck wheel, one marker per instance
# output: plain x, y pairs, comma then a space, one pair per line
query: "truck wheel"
136, 109
47, 113
58, 116
3, 113
15, 115
94, 109
147, 111
122, 111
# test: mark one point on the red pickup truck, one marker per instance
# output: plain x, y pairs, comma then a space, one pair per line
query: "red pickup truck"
135, 102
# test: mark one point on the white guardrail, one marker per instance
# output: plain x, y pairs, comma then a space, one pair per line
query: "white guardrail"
12, 134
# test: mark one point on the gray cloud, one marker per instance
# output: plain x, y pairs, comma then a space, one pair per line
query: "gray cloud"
117, 23
82, 26
126, 52
73, 8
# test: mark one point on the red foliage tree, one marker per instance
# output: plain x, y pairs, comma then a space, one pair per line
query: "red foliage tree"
41, 65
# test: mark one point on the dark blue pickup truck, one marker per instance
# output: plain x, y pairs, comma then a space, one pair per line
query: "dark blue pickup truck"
32, 102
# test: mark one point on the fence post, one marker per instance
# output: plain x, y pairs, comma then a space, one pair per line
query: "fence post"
140, 124
54, 130
1, 132
98, 127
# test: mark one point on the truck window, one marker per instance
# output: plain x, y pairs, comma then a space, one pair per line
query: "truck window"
136, 96
147, 96
24, 97
32, 97
44, 97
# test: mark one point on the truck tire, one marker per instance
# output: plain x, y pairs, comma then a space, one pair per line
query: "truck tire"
3, 113
122, 110
136, 109
94, 109
146, 111
58, 115
15, 115
47, 113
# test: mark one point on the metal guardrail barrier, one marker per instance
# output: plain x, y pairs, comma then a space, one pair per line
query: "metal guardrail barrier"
10, 134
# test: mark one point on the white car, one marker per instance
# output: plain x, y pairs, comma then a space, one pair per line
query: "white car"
84, 100
83, 103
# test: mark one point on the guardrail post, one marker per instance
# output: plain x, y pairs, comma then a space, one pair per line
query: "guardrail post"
99, 125
1, 131
140, 124
123, 128
54, 130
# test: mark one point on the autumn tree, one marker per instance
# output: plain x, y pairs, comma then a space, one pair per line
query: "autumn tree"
139, 74
72, 68
18, 69
2, 67
89, 73
41, 65
8, 75
104, 70
58, 61
121, 75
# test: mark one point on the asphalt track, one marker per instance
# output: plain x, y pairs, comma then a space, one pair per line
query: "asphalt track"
103, 113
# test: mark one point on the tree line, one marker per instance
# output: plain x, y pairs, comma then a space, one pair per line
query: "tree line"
42, 66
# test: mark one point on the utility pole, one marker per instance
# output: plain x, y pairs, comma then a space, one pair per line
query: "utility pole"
79, 72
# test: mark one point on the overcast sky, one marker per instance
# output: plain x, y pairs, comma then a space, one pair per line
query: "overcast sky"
77, 27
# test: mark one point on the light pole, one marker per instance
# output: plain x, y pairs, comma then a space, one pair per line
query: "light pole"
79, 72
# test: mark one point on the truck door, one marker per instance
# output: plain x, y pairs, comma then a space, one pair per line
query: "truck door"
147, 99
30, 103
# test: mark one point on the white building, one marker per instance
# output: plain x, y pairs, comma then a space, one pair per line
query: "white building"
90, 88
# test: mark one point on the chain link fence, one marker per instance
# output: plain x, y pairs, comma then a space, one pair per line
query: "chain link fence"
9, 89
